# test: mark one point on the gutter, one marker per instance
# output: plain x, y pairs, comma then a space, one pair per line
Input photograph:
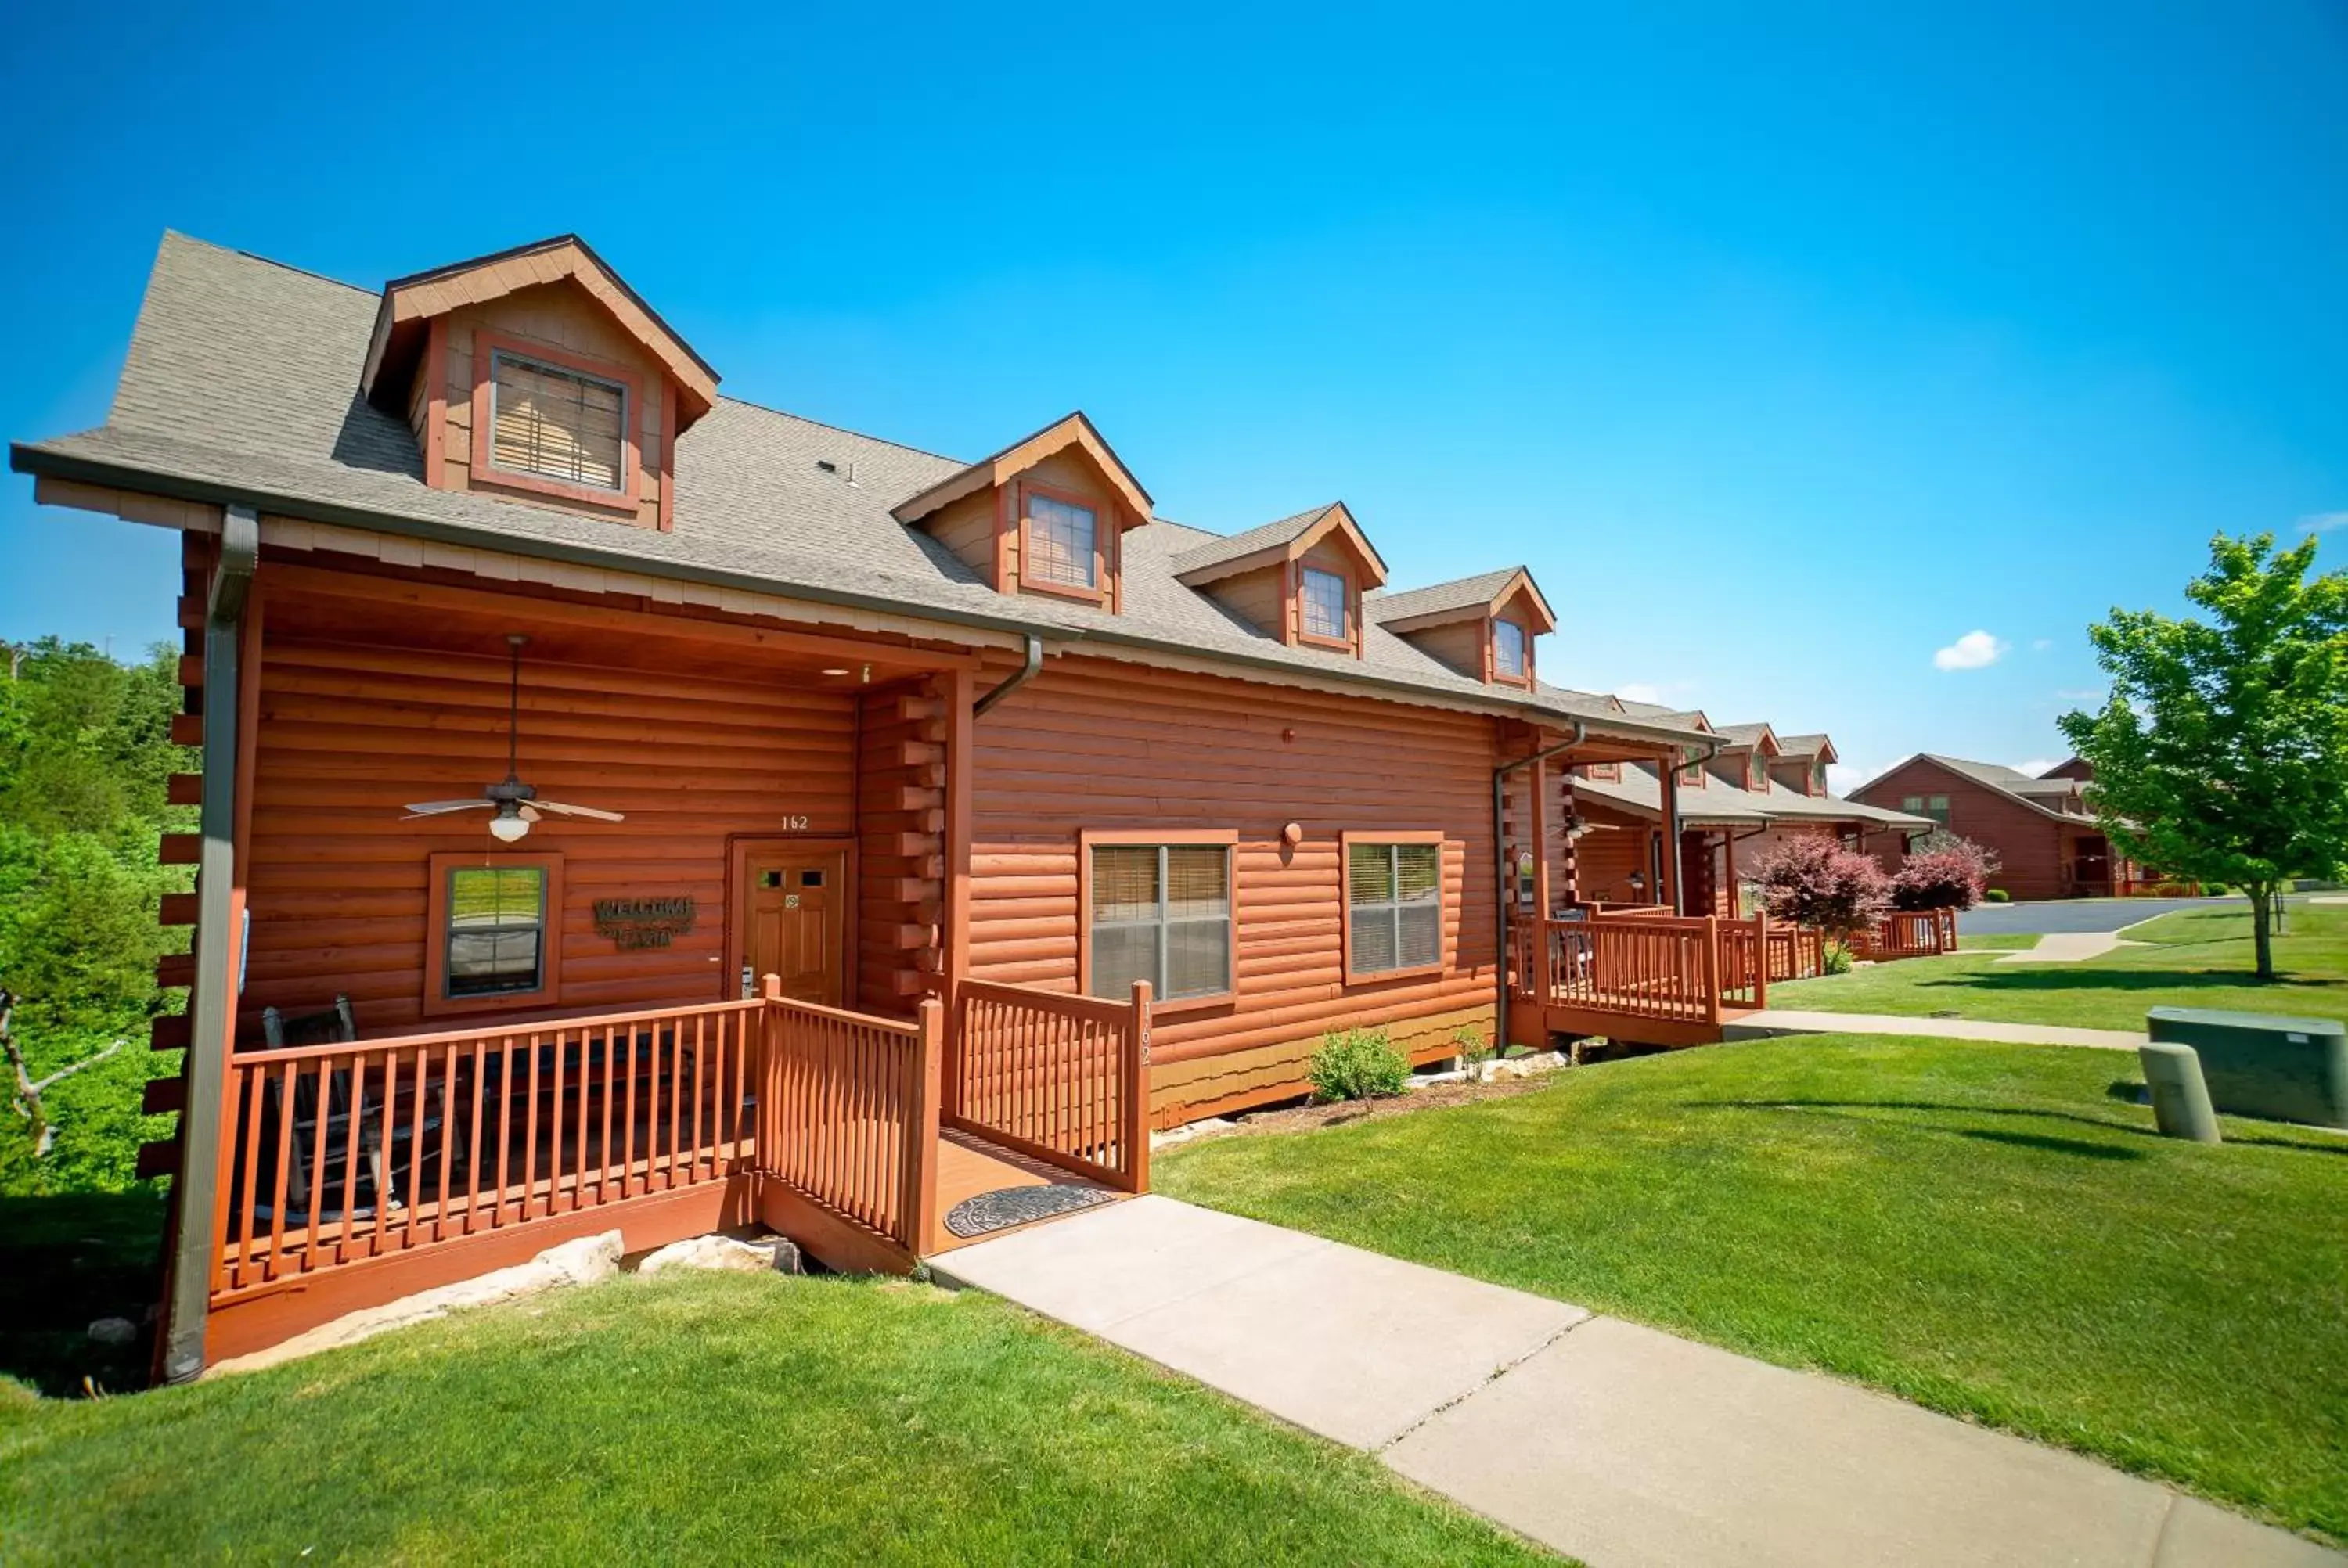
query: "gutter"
212, 1003
27, 459
1500, 880
1025, 673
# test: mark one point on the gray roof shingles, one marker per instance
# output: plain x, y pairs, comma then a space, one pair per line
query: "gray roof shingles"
1464, 593
242, 382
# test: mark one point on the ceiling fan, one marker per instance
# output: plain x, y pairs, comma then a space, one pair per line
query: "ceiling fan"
516, 804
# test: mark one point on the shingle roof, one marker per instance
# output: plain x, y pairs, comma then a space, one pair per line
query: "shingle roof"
1723, 804
1217, 551
1465, 593
1742, 734
242, 385
1802, 745
2033, 792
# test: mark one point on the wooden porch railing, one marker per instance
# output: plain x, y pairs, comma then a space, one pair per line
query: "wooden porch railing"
340, 1153
848, 1113
1643, 966
1908, 933
1063, 1079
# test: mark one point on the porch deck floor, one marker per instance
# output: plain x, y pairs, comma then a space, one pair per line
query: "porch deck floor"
968, 1165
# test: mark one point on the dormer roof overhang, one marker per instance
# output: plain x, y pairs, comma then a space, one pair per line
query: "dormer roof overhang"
1469, 599
1277, 543
409, 304
1751, 738
1793, 747
1074, 430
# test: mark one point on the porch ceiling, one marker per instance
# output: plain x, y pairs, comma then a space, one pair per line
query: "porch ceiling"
309, 604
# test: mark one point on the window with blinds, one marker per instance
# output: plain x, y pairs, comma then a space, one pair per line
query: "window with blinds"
1161, 913
557, 424
1393, 900
1059, 542
1323, 594
1509, 650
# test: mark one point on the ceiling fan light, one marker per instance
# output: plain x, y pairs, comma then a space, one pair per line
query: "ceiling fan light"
508, 829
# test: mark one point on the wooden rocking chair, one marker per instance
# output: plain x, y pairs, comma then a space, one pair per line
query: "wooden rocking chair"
327, 1094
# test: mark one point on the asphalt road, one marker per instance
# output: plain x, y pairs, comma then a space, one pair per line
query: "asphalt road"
2071, 915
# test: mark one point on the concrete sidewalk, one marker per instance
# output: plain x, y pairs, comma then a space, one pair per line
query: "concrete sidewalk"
2066, 947
1611, 1442
1771, 1021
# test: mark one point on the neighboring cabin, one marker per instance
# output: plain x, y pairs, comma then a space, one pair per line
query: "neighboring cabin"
1756, 791
2048, 843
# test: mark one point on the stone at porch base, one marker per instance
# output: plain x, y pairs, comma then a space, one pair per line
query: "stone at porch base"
584, 1260
725, 1253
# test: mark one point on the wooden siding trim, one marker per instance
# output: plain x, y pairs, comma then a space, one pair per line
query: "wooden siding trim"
1227, 838
629, 497
1347, 839
435, 1003
436, 391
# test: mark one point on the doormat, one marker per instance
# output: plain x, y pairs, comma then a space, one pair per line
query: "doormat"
1008, 1206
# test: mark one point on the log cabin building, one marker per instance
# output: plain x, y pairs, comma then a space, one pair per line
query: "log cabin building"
1752, 793
2048, 841
623, 806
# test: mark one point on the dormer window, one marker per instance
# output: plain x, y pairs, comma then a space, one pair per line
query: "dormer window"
555, 423
1060, 543
1507, 650
1323, 597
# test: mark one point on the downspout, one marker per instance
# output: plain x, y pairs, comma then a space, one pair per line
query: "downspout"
1026, 673
211, 1004
1500, 880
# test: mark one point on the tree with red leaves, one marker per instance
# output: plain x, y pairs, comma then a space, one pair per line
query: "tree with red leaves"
1949, 873
1814, 881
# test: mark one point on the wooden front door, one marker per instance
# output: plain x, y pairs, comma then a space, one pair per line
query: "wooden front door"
794, 919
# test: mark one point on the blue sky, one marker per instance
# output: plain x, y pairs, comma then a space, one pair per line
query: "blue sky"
1788, 346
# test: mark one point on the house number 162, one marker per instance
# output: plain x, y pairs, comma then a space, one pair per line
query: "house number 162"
795, 825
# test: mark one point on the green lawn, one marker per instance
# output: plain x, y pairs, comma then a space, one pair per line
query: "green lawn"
1987, 1230
707, 1419
2199, 958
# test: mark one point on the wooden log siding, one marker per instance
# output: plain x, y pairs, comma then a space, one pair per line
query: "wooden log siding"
349, 731
1097, 743
901, 780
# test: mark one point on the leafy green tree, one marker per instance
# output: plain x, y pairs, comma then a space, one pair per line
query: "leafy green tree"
2221, 754
85, 754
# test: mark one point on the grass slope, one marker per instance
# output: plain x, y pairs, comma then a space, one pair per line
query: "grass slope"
1983, 1229
707, 1419
2199, 958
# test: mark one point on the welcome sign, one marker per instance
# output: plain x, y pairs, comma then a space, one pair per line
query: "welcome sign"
644, 922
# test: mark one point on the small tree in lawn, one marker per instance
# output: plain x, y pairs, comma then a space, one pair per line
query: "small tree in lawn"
2221, 754
1948, 872
1814, 881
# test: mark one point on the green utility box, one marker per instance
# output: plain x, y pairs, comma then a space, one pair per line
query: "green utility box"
2258, 1064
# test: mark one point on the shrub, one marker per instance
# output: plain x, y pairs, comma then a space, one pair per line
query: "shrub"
1951, 874
1473, 1051
1815, 881
1998, 895
1358, 1064
1837, 960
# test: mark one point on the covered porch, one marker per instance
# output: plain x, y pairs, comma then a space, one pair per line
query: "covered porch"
723, 993
354, 1173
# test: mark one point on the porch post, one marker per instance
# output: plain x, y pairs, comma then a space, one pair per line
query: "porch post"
921, 1130
1761, 951
1134, 1132
1668, 771
1543, 907
1712, 969
196, 1194
962, 721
